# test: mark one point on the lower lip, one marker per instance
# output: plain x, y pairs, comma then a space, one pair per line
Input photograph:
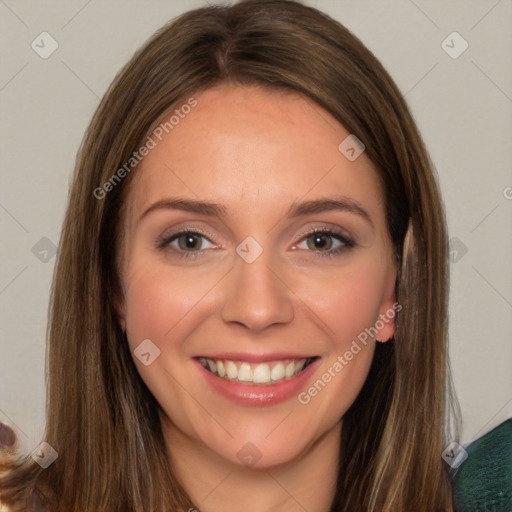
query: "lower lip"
258, 394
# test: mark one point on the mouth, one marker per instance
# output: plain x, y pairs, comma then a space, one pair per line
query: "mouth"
262, 373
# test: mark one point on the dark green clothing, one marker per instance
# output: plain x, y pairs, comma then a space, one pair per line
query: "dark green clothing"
483, 482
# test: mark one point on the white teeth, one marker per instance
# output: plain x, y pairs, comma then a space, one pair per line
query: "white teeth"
290, 369
299, 365
277, 372
220, 369
231, 370
245, 373
261, 373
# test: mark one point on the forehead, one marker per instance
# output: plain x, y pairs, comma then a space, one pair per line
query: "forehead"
248, 147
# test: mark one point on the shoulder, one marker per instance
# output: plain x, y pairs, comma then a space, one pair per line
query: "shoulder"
484, 480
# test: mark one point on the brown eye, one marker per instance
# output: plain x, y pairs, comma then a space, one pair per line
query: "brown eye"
326, 242
319, 242
189, 242
185, 241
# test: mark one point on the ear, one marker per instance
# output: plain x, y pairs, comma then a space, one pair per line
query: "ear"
389, 308
385, 324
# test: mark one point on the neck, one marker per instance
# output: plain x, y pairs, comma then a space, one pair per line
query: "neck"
215, 484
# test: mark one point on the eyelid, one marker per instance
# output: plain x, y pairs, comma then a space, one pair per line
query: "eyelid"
166, 236
335, 230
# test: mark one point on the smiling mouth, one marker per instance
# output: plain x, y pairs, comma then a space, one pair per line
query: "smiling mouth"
256, 373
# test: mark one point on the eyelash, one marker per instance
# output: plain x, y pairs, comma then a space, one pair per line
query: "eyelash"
347, 242
164, 241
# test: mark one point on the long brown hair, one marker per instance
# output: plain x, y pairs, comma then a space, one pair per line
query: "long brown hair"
101, 418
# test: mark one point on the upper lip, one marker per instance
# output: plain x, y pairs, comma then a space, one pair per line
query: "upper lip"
255, 358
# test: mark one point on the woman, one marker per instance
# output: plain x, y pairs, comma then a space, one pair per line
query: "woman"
250, 302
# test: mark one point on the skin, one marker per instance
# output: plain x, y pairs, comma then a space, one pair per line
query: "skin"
256, 151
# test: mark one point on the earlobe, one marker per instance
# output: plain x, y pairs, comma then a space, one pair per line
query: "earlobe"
389, 308
388, 328
387, 321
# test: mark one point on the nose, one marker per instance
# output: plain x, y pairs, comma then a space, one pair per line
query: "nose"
257, 296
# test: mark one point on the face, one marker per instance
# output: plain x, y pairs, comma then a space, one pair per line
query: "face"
255, 255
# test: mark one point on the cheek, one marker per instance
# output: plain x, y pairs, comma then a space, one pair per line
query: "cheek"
157, 300
165, 306
347, 304
168, 306
346, 301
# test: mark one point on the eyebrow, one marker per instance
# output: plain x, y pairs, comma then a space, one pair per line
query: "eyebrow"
188, 205
329, 204
296, 209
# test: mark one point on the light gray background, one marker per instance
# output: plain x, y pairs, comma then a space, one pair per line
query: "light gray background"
463, 107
